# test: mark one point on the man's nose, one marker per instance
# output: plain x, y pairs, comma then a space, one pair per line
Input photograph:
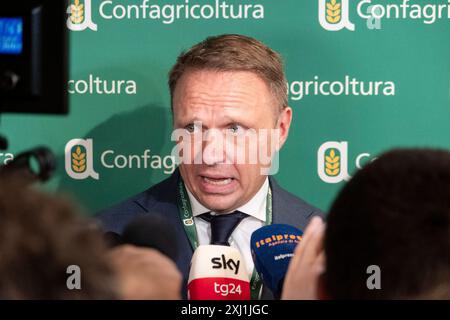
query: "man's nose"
213, 148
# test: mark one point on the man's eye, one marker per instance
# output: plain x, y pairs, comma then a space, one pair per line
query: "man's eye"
236, 129
190, 128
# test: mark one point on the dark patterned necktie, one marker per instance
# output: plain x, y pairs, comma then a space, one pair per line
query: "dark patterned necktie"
223, 225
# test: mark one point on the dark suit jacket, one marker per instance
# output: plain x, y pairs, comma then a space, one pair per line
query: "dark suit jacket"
162, 199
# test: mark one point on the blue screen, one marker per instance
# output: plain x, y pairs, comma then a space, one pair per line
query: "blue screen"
11, 30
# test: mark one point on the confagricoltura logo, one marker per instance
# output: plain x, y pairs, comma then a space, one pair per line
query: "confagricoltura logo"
79, 159
334, 15
80, 12
333, 161
80, 16
80, 155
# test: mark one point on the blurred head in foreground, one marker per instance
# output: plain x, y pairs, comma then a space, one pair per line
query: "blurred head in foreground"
40, 237
395, 214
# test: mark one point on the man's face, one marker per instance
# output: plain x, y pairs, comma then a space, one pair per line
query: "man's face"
227, 105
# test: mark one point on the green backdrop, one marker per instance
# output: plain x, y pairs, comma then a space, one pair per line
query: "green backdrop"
408, 51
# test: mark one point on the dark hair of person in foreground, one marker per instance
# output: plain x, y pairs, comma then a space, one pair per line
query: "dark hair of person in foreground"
395, 214
40, 237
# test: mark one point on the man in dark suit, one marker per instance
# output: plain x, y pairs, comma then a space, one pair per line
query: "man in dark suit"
230, 118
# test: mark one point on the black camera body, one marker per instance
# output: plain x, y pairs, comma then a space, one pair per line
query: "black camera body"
33, 57
33, 73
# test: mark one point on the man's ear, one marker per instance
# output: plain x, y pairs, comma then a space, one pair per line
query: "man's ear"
283, 124
322, 293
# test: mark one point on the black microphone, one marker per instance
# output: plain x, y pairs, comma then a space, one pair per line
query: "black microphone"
151, 231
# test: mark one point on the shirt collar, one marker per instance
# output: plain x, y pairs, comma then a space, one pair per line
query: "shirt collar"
256, 207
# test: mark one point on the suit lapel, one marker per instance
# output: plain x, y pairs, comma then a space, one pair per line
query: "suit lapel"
280, 214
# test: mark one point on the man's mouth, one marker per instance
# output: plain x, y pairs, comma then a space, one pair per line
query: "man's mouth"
217, 181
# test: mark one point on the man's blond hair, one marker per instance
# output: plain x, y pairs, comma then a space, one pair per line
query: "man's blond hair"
233, 52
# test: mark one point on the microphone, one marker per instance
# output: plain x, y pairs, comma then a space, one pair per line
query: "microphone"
272, 248
151, 231
218, 273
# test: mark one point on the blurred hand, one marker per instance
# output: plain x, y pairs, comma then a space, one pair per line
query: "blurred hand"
145, 274
307, 264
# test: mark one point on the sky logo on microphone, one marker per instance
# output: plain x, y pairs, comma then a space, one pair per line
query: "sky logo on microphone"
223, 263
218, 273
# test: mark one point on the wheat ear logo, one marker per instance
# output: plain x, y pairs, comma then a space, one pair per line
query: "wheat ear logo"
80, 16
334, 15
332, 163
78, 159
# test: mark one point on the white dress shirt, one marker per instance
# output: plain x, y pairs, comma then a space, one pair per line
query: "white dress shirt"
240, 238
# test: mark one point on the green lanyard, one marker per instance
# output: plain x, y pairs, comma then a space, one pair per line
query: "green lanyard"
186, 216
